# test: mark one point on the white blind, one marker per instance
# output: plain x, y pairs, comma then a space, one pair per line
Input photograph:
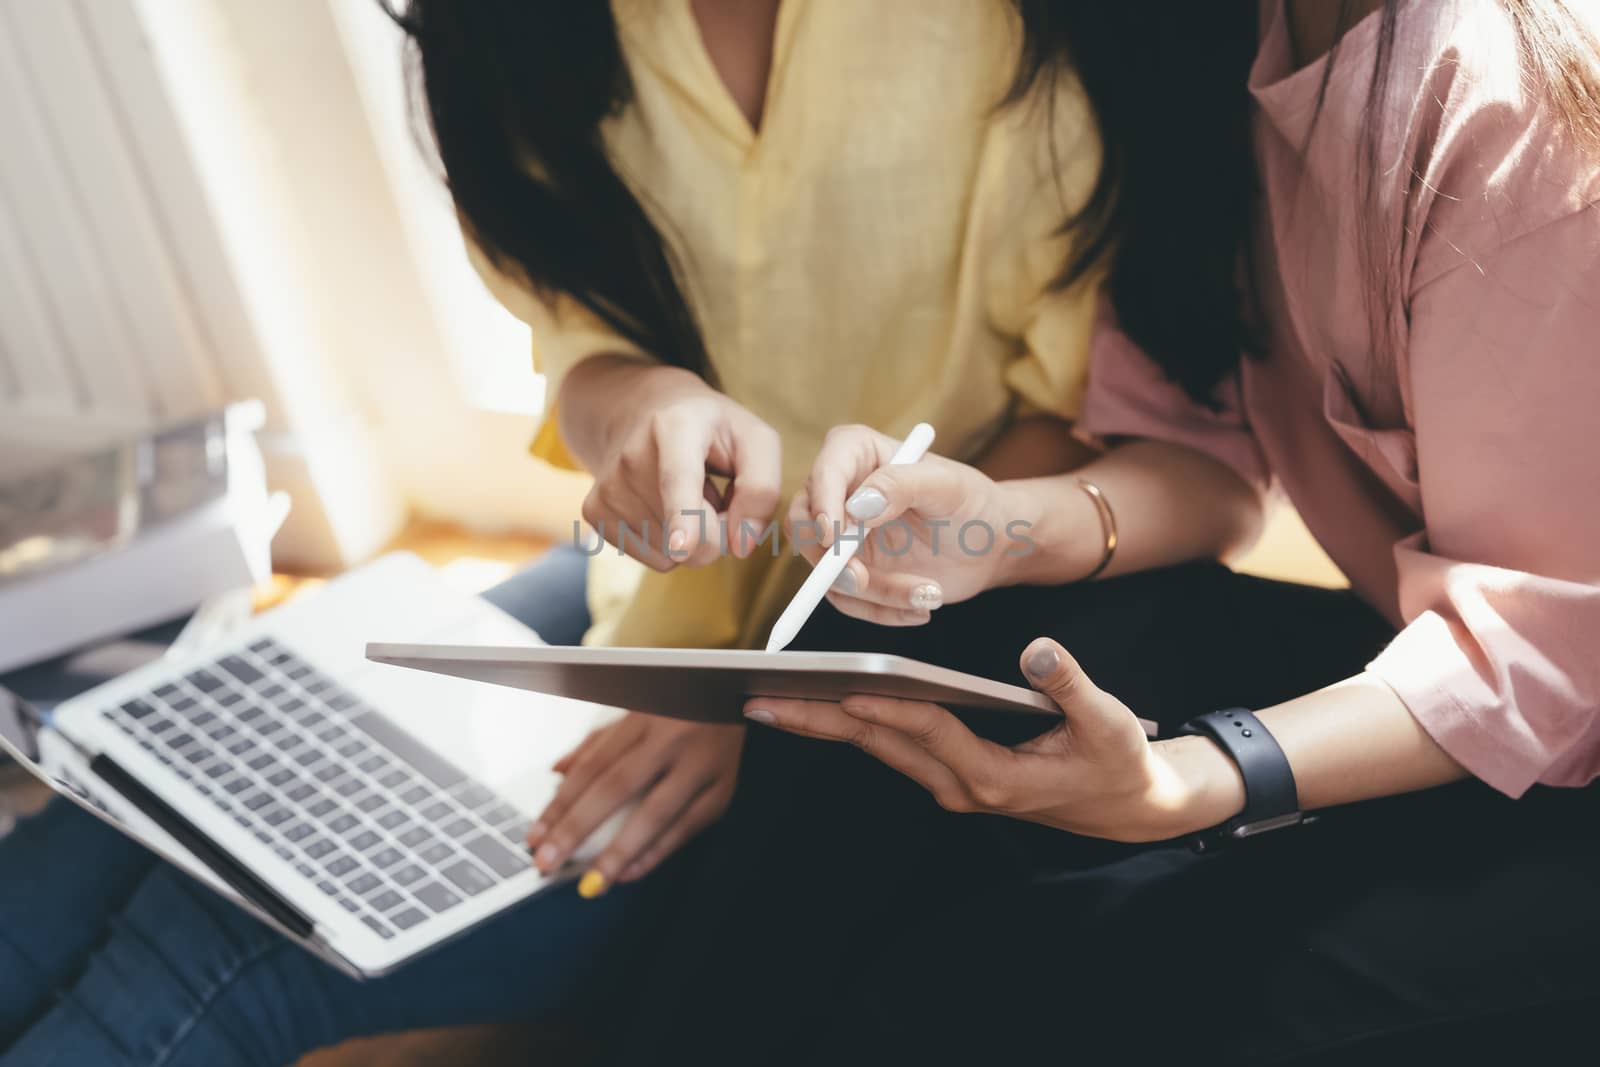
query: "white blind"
99, 319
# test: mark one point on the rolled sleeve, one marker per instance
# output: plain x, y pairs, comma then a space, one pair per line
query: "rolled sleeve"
564, 333
1129, 396
1490, 665
1501, 590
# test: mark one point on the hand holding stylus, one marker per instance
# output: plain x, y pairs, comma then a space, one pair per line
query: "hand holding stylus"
937, 531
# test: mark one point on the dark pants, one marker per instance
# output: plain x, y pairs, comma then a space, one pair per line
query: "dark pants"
842, 917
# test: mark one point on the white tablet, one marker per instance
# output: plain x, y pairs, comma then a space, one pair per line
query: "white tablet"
712, 685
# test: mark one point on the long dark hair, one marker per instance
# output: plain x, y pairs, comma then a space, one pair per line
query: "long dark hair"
1168, 84
514, 92
1168, 217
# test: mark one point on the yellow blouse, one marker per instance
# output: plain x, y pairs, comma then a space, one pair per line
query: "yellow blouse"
881, 251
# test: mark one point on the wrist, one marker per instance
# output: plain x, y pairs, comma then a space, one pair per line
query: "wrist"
1194, 785
1065, 537
606, 396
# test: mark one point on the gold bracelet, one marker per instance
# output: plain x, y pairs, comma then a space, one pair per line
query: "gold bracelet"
1108, 524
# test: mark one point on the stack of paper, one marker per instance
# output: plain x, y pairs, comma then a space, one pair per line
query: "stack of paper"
127, 535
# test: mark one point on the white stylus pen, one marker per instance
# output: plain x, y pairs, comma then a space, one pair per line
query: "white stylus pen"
828, 569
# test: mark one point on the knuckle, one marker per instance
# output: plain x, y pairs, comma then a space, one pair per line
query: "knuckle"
952, 800
989, 794
862, 736
928, 734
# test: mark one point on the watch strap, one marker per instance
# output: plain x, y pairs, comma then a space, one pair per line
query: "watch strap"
1271, 796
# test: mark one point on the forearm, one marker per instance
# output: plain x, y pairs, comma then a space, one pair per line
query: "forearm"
602, 398
1352, 741
1032, 447
1172, 505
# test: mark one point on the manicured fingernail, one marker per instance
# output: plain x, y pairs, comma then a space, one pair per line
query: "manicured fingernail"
761, 715
676, 541
927, 597
1042, 662
592, 884
824, 529
866, 504
846, 582
548, 857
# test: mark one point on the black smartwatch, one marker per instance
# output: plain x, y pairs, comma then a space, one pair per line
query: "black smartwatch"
1271, 800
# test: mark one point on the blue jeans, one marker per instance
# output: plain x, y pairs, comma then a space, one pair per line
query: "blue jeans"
111, 958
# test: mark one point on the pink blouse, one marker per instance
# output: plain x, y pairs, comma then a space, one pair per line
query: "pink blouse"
1456, 477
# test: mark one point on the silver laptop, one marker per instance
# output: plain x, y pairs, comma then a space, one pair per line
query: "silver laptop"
371, 814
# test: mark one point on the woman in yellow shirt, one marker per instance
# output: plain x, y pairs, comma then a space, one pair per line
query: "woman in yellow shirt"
732, 227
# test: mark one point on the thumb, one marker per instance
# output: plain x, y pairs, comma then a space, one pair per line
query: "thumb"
1090, 712
931, 488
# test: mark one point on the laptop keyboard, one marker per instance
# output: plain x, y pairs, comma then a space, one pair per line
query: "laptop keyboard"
363, 810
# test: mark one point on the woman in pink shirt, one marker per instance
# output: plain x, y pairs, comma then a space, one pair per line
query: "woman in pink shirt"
1412, 191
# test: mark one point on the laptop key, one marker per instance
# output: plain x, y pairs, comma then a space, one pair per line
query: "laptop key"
241, 669
204, 680
437, 853
437, 897
340, 865
299, 832
343, 824
459, 828
365, 884
408, 918
372, 802
473, 795
377, 927
416, 837
388, 900
416, 795
393, 820
468, 877
319, 848
495, 856
427, 762
408, 875
365, 840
